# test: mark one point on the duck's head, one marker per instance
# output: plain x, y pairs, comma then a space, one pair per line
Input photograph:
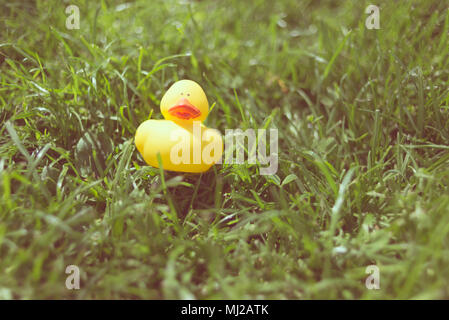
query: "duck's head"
185, 102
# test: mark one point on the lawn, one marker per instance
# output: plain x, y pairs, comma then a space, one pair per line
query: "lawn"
362, 118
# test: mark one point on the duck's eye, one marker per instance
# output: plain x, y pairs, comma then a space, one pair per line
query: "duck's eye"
188, 94
182, 93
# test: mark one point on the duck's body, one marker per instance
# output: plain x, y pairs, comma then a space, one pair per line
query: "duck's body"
179, 146
183, 142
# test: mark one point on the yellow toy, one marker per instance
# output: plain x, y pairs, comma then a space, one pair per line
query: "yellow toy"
184, 143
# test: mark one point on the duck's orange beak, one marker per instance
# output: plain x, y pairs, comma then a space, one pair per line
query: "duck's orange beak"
183, 109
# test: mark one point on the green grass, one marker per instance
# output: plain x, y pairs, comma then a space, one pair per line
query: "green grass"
363, 173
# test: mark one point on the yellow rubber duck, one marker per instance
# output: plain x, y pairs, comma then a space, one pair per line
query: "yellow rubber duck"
184, 143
